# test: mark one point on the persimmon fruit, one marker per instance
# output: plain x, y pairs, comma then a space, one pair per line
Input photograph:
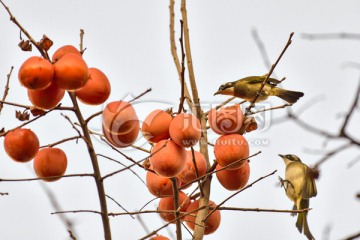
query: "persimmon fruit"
226, 120
21, 144
159, 237
60, 52
167, 158
230, 148
159, 186
119, 117
234, 179
46, 98
122, 140
36, 73
50, 162
71, 72
156, 126
167, 204
185, 130
212, 223
96, 90
188, 173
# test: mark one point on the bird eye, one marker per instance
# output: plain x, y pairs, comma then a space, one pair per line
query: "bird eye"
289, 156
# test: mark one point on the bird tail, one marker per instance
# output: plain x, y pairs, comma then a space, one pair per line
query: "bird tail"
288, 95
301, 222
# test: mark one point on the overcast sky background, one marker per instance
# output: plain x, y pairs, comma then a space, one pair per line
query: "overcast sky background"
129, 41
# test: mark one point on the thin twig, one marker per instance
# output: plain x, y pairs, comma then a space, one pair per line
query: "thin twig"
272, 108
174, 52
182, 77
350, 112
263, 210
252, 104
121, 153
6, 91
62, 141
330, 36
45, 178
22, 29
56, 205
71, 123
167, 224
26, 123
119, 205
261, 48
331, 154
76, 211
353, 236
140, 95
137, 163
126, 167
239, 191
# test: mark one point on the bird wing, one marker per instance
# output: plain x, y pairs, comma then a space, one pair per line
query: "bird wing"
310, 185
260, 79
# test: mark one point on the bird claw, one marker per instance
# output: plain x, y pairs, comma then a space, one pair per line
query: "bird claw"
282, 181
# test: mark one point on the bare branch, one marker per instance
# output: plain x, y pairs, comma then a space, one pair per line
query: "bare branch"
140, 95
22, 29
239, 191
6, 91
62, 141
252, 104
182, 77
263, 210
330, 36
350, 113
44, 178
174, 52
261, 48
117, 203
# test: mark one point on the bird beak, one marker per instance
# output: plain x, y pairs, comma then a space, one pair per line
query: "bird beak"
217, 92
282, 156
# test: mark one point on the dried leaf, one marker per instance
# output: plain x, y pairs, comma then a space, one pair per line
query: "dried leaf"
169, 111
25, 45
36, 111
248, 125
147, 163
45, 43
22, 116
2, 130
252, 125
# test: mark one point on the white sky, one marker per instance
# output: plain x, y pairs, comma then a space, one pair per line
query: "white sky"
129, 41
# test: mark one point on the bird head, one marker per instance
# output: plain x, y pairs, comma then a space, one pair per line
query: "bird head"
226, 89
290, 158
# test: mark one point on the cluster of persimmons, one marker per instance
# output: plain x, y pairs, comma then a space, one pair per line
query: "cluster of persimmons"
171, 136
172, 157
46, 82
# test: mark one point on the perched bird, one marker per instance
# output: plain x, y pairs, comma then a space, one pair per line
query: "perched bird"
299, 186
247, 88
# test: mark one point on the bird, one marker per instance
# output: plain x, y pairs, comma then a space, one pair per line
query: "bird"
248, 87
299, 186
